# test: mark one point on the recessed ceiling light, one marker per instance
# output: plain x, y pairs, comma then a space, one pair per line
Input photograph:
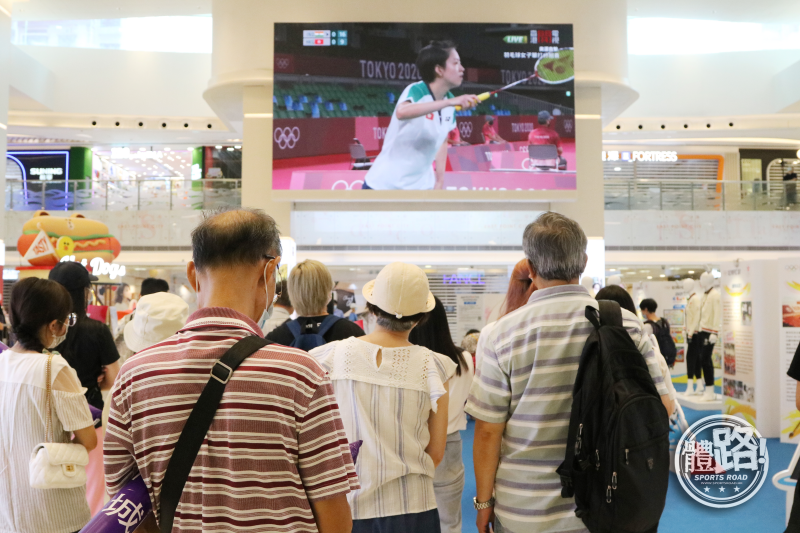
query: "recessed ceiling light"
613, 269
649, 277
239, 147
662, 276
691, 272
643, 271
218, 147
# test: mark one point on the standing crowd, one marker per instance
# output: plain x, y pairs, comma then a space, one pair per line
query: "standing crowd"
278, 455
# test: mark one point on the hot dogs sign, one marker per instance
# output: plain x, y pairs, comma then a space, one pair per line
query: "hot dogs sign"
46, 240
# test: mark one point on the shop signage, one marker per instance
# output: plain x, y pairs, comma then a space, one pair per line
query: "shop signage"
41, 165
100, 267
659, 156
466, 278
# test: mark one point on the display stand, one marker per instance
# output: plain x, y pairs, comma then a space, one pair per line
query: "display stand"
750, 316
697, 403
789, 335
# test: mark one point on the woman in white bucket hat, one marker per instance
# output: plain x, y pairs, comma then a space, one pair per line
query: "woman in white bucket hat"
392, 395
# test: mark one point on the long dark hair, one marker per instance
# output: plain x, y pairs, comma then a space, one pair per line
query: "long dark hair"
434, 334
35, 303
617, 294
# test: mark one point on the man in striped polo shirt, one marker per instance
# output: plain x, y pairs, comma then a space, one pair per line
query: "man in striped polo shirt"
522, 393
276, 458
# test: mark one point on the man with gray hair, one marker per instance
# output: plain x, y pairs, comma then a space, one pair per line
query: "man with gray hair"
521, 397
275, 456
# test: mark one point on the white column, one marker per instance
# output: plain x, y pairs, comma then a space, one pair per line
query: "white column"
5, 68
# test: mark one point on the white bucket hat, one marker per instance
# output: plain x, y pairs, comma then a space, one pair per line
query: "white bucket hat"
157, 317
401, 290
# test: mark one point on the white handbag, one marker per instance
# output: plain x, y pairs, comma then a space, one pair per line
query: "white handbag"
56, 465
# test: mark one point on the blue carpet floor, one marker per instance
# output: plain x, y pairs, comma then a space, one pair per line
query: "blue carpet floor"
763, 513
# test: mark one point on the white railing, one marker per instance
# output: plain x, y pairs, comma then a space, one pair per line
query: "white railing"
700, 195
122, 195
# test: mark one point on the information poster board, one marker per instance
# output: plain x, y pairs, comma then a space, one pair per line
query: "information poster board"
750, 346
789, 294
469, 313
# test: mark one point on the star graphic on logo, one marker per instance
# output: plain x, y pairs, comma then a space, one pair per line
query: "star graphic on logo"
735, 489
722, 489
707, 489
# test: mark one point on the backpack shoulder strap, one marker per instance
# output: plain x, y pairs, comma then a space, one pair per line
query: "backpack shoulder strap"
665, 323
197, 425
327, 324
610, 313
294, 328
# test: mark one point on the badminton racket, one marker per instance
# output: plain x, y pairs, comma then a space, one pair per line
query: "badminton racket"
552, 68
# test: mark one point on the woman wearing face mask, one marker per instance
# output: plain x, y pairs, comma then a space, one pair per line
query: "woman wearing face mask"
41, 316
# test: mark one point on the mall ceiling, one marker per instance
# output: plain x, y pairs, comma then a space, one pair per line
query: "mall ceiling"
730, 10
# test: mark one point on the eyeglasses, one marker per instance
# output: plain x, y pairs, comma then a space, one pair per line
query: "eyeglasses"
72, 318
278, 279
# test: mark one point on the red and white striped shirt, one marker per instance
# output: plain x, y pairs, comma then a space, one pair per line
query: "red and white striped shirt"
277, 440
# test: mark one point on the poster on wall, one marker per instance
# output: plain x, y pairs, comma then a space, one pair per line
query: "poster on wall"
789, 291
739, 374
469, 314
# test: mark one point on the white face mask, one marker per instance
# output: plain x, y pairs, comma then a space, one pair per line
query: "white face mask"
268, 311
58, 339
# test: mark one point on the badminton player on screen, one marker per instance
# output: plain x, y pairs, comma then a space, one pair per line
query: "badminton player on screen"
424, 116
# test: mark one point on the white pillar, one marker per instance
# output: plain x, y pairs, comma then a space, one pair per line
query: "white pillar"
5, 68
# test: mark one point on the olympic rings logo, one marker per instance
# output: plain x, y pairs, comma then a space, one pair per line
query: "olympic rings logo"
286, 137
568, 125
282, 62
465, 128
356, 185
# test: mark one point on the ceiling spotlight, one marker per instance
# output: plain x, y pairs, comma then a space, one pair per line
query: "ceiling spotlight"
618, 126
640, 126
685, 126
691, 272
238, 146
663, 126
662, 276
218, 147
649, 277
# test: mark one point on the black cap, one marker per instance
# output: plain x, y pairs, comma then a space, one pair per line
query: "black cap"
72, 276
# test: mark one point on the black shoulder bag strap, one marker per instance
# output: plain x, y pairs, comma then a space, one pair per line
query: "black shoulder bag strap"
610, 313
194, 432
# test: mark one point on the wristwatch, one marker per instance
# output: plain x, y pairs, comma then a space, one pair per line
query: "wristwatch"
484, 505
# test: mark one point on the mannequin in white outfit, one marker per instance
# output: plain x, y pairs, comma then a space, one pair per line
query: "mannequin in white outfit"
706, 335
710, 318
614, 280
692, 326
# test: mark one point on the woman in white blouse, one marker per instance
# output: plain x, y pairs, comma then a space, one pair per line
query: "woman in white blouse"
40, 317
448, 483
393, 396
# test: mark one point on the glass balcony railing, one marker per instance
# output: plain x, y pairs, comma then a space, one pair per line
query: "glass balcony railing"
122, 195
700, 195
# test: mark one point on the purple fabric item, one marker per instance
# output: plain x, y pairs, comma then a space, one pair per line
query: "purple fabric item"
3, 347
97, 415
354, 447
124, 512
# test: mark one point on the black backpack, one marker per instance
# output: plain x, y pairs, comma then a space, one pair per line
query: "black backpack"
617, 459
665, 343
309, 340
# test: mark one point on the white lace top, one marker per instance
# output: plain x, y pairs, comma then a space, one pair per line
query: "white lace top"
387, 407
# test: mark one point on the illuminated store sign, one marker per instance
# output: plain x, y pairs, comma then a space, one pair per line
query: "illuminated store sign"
40, 165
659, 156
100, 267
464, 278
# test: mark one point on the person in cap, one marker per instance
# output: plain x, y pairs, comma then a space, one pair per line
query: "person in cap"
545, 134
394, 397
149, 286
89, 347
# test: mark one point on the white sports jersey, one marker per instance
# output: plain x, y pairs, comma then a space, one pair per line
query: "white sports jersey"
410, 146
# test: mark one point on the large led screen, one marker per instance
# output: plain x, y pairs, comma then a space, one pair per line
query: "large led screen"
376, 106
